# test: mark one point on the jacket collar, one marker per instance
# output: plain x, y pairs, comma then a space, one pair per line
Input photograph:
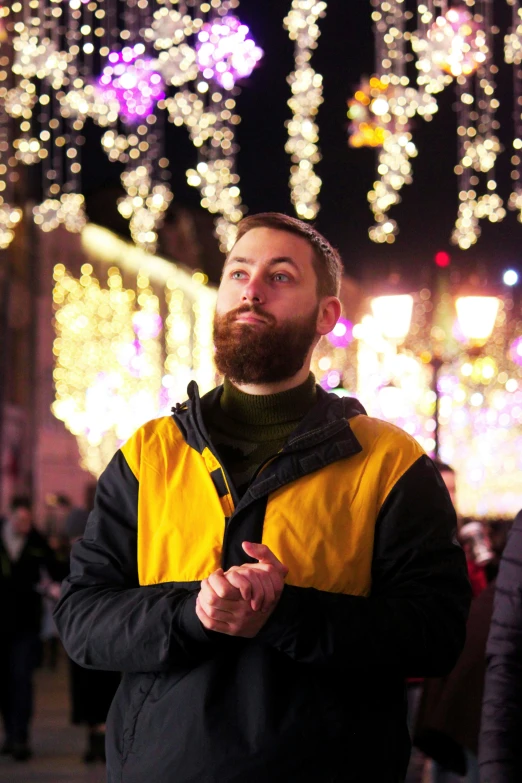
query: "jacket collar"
328, 416
323, 436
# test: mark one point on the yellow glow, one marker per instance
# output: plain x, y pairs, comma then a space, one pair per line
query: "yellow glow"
109, 371
477, 316
393, 315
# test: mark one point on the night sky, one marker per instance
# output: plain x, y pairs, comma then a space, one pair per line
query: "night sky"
429, 206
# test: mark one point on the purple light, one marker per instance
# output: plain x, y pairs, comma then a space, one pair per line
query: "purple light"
133, 82
226, 52
146, 326
515, 351
457, 332
130, 356
331, 380
342, 334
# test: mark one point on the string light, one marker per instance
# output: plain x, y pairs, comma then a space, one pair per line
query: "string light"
307, 96
453, 44
477, 127
149, 52
513, 56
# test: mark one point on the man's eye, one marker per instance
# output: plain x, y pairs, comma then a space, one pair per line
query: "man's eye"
281, 277
237, 275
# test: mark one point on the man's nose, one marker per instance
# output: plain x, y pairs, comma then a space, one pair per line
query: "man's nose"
253, 292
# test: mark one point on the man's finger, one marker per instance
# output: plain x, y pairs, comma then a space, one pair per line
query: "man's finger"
236, 579
258, 591
222, 587
208, 622
211, 600
265, 555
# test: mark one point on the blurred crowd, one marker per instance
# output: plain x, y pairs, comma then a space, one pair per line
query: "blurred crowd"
34, 559
444, 714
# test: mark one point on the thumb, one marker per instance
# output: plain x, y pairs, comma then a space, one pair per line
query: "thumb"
264, 555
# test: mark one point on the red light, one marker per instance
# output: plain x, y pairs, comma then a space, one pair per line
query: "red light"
442, 258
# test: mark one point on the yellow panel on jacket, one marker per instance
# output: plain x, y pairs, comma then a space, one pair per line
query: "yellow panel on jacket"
322, 525
181, 521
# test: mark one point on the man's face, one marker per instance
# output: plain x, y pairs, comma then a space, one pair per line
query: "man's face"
21, 520
267, 312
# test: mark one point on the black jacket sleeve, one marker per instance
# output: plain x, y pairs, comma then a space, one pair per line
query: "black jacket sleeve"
105, 619
414, 619
500, 752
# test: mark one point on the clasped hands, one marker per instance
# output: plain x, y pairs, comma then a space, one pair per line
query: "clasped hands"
238, 602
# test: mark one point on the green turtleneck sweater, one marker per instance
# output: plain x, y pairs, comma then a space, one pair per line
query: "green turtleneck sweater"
248, 429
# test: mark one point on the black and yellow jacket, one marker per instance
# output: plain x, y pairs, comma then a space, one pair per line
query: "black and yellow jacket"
376, 591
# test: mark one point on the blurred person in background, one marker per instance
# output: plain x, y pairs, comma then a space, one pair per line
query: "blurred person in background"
471, 535
500, 751
448, 724
430, 701
57, 508
92, 691
25, 557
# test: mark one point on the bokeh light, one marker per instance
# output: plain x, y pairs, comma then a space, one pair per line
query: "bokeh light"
133, 81
226, 52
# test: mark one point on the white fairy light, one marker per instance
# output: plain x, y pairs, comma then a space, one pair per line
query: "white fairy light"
307, 96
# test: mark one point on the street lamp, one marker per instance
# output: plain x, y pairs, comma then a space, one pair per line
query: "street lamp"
476, 318
393, 315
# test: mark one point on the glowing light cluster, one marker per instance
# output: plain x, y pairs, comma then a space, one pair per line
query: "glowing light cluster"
307, 96
218, 185
471, 210
40, 58
430, 77
109, 374
132, 80
144, 205
68, 210
106, 378
457, 43
513, 40
226, 52
9, 219
395, 169
168, 32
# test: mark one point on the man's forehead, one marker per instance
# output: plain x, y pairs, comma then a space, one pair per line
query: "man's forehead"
271, 245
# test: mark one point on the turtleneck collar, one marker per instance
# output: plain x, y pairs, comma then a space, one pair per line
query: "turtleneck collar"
268, 409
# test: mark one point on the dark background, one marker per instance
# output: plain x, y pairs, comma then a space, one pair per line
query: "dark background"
345, 52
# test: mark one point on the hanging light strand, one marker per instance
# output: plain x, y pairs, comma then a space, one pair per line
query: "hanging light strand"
513, 56
307, 96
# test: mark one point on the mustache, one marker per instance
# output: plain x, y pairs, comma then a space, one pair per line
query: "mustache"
254, 309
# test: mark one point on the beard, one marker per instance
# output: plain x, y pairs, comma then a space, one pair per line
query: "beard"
262, 353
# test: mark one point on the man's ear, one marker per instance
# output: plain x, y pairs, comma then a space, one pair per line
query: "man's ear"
329, 313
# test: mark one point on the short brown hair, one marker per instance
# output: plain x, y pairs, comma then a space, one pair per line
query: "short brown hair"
327, 263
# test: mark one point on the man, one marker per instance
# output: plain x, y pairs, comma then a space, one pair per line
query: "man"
24, 555
500, 752
267, 565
